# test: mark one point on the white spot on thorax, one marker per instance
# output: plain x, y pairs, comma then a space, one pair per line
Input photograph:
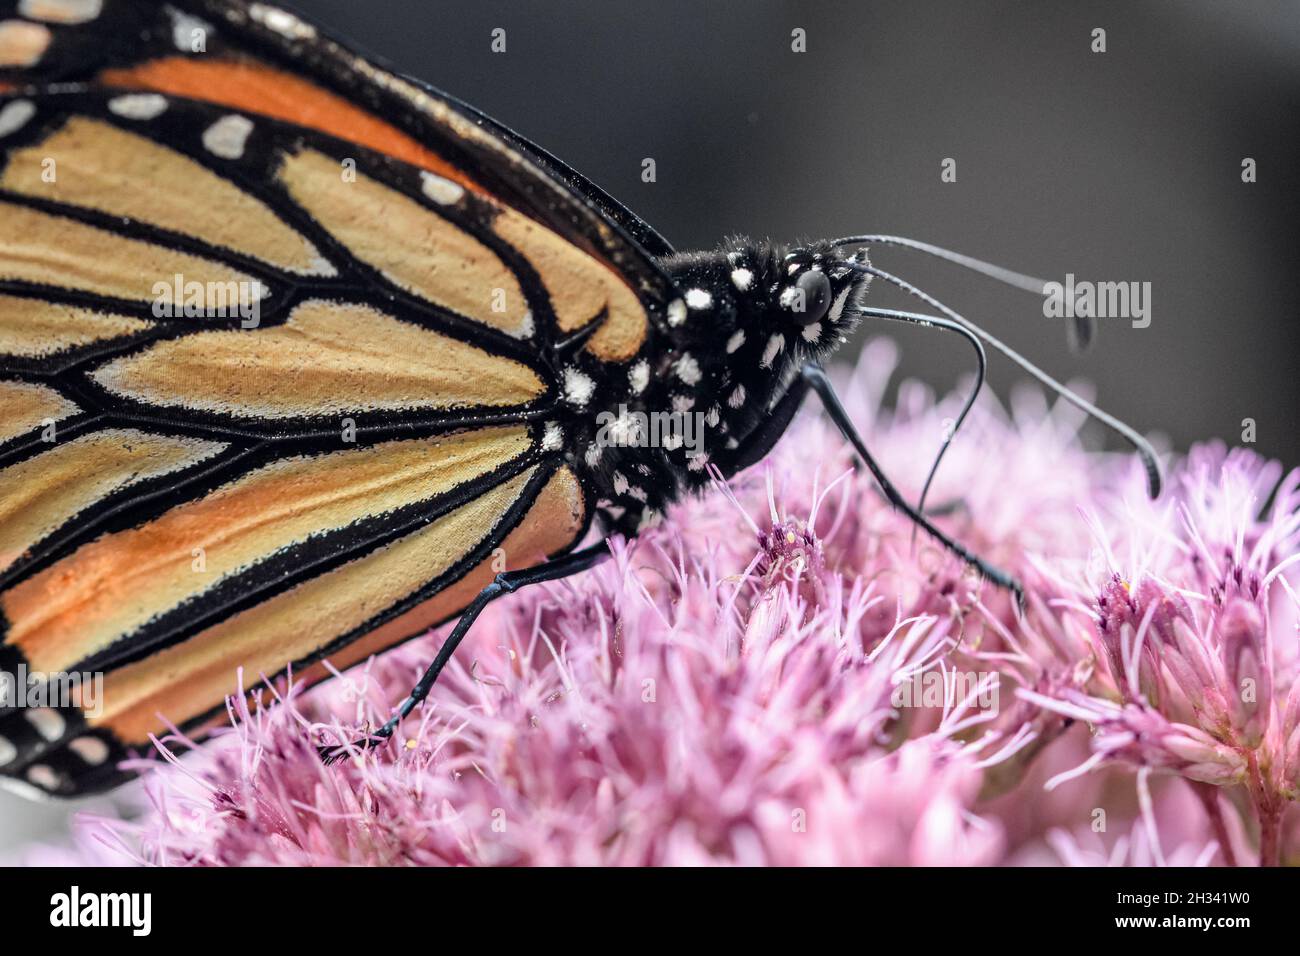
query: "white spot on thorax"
713, 417
687, 369
676, 312
638, 376
578, 386
48, 723
737, 397
736, 341
788, 295
637, 492
697, 462
811, 333
683, 403
61, 11
14, 116
138, 106
227, 136
837, 307
621, 483
552, 437
442, 191
592, 455
698, 299
90, 749
742, 279
774, 346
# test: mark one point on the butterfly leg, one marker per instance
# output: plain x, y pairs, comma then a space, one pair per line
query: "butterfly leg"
815, 378
506, 582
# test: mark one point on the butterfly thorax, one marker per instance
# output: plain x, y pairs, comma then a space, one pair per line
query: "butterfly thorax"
721, 355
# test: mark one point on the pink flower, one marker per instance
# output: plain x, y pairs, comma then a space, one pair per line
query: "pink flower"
784, 674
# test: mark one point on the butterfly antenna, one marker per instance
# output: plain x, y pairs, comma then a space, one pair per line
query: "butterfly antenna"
935, 321
1081, 331
1140, 444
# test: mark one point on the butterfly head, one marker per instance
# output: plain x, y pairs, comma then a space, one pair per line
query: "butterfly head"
755, 313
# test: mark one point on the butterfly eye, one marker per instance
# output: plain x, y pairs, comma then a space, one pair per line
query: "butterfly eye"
816, 289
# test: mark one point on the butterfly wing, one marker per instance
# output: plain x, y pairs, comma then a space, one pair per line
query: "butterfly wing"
279, 341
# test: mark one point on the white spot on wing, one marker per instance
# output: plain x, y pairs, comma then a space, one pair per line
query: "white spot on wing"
90, 749
227, 136
43, 776
138, 106
742, 279
186, 29
442, 191
22, 43
736, 341
61, 11
281, 22
48, 723
14, 116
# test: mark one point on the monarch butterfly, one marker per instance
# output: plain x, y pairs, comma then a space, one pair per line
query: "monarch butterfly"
300, 357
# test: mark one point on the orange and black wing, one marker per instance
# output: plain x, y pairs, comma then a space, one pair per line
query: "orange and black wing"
279, 341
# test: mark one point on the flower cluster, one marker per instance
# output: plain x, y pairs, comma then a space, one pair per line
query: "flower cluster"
784, 673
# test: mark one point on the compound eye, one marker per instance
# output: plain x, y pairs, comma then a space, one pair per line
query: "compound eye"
816, 289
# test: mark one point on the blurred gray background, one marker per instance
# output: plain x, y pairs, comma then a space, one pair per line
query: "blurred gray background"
1116, 166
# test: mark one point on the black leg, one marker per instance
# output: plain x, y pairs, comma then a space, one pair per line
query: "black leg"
815, 378
764, 438
505, 583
